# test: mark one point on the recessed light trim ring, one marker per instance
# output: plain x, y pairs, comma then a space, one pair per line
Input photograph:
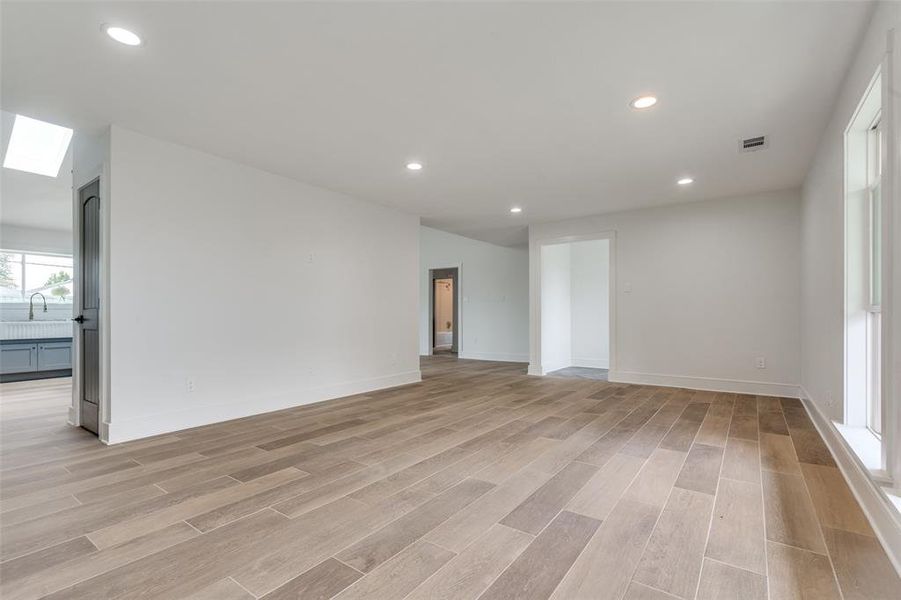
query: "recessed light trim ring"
122, 35
643, 102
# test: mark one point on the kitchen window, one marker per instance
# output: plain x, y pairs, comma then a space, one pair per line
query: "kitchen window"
24, 273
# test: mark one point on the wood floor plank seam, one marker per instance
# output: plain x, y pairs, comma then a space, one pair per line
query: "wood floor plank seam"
710, 524
660, 514
631, 573
351, 566
823, 537
232, 579
766, 562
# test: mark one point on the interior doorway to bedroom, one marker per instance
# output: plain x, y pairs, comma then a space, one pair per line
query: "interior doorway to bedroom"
444, 311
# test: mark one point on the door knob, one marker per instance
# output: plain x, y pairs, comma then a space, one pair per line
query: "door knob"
78, 319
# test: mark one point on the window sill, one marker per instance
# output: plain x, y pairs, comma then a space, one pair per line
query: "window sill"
50, 304
867, 447
894, 498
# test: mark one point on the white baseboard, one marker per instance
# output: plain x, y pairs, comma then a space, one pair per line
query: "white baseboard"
711, 384
879, 510
535, 370
495, 356
155, 424
103, 434
591, 363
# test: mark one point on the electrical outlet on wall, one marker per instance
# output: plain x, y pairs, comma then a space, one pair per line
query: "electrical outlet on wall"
760, 362
189, 384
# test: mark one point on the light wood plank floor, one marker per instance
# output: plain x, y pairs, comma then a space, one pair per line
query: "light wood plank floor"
480, 482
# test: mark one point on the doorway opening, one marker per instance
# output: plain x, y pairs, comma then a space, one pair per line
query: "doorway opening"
38, 265
444, 312
574, 309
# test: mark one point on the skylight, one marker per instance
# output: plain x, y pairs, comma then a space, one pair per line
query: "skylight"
37, 147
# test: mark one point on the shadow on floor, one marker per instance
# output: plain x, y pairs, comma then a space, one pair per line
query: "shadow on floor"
580, 373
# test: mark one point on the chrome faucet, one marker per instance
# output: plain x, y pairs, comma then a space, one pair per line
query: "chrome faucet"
31, 305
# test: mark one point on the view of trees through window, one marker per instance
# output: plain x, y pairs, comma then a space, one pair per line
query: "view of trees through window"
22, 274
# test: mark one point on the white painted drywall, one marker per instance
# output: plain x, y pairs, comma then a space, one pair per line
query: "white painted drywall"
90, 161
714, 284
556, 307
494, 293
265, 292
590, 298
823, 274
33, 239
822, 230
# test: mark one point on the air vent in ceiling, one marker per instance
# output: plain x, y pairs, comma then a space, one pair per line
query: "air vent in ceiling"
753, 144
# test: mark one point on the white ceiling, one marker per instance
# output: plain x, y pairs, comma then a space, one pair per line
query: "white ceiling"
504, 103
29, 200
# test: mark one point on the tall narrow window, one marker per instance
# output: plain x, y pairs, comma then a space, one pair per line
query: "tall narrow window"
874, 277
862, 420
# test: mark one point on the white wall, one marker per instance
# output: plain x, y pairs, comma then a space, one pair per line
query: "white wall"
590, 298
823, 274
33, 239
185, 227
714, 285
494, 289
822, 230
556, 307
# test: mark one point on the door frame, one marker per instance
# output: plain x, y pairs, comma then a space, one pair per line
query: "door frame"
535, 245
79, 183
452, 273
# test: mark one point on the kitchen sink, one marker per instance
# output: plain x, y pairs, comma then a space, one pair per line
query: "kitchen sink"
28, 330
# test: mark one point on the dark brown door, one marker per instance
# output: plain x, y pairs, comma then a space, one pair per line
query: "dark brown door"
89, 284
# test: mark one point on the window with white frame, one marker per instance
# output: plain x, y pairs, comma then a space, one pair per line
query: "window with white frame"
25, 273
862, 423
874, 277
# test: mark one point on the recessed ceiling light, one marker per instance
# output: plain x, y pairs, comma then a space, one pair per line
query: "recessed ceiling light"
516, 209
644, 102
414, 166
685, 181
36, 146
123, 36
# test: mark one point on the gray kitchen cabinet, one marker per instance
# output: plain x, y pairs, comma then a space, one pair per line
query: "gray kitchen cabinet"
18, 357
21, 360
54, 355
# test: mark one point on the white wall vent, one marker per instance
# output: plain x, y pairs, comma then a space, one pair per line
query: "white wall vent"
752, 144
